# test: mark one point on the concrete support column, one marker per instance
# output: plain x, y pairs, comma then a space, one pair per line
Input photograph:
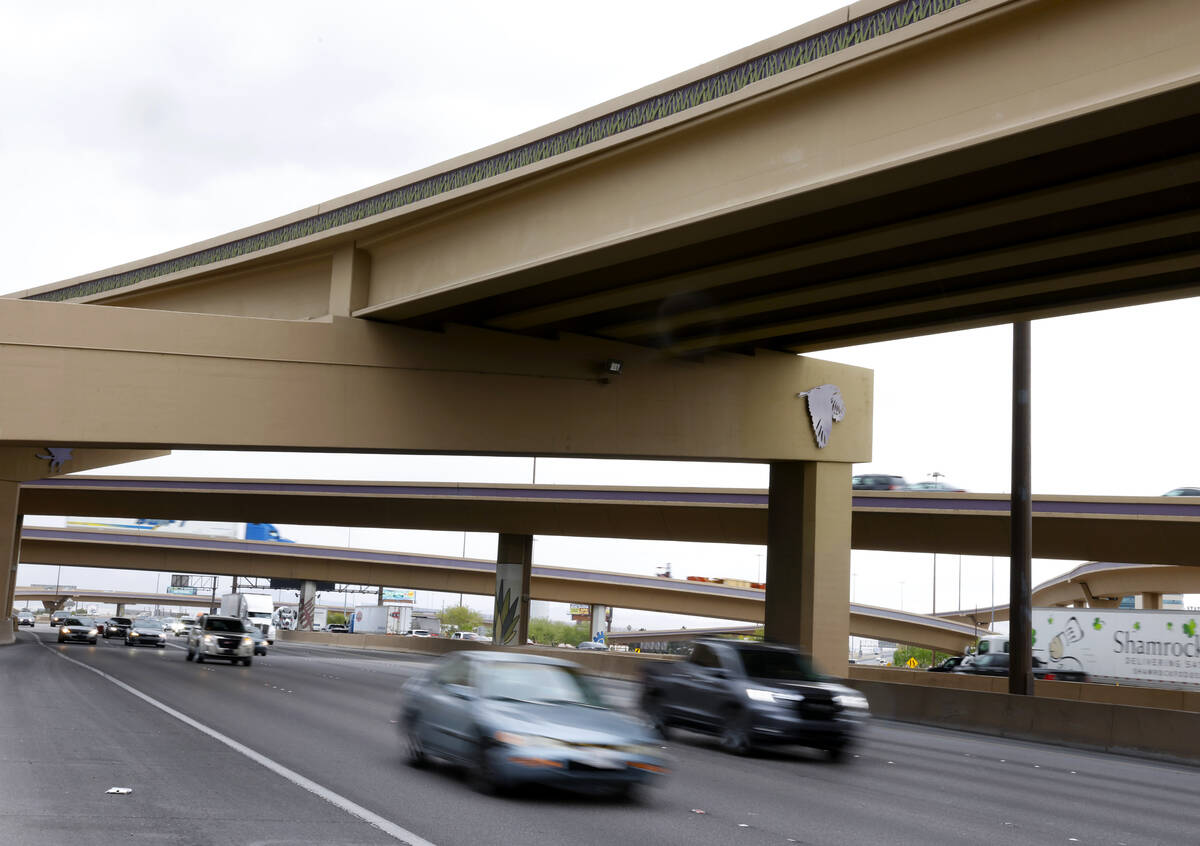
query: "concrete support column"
10, 547
308, 606
1152, 601
120, 609
514, 566
808, 560
600, 621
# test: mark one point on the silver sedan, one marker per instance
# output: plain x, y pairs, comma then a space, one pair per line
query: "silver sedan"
515, 719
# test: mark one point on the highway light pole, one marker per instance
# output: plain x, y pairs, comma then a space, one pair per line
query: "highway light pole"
1020, 563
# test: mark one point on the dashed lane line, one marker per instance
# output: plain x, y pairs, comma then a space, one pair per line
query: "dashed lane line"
354, 809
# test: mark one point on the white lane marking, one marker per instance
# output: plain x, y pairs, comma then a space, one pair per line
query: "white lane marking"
352, 808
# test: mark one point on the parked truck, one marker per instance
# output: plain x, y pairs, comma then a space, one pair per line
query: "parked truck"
258, 608
1121, 645
381, 619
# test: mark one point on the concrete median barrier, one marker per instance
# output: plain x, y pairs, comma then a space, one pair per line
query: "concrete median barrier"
621, 665
1154, 732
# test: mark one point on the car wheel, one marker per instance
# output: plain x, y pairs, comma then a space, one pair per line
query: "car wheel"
246, 661
199, 657
417, 756
835, 753
483, 776
162, 646
190, 655
92, 641
60, 639
656, 714
735, 733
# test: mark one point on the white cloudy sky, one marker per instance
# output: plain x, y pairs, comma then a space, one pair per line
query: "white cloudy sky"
134, 127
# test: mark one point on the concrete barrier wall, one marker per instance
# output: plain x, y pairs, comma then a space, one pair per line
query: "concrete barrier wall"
1154, 732
1143, 697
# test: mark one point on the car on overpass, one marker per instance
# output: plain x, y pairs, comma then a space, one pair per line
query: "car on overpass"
227, 638
516, 719
935, 487
752, 694
878, 482
75, 629
1183, 492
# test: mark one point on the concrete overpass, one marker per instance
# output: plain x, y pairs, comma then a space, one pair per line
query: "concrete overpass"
1152, 530
890, 170
219, 556
1096, 584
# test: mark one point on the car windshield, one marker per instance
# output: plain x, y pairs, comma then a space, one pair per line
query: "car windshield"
225, 626
149, 624
122, 621
541, 683
72, 621
778, 664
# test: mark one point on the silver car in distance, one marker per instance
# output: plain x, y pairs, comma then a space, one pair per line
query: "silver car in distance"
515, 719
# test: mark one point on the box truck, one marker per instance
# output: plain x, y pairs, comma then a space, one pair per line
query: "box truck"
381, 619
258, 608
1121, 645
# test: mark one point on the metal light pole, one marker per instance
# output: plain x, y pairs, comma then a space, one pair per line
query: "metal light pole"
1020, 611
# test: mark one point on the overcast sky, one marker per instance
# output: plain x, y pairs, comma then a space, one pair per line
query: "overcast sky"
138, 127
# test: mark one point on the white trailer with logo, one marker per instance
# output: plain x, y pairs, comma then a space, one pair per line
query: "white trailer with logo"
381, 619
1159, 648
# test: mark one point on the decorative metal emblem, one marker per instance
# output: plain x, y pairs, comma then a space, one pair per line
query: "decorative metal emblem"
58, 456
825, 406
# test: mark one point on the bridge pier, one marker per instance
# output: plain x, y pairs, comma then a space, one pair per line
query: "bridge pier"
808, 560
599, 621
307, 606
1152, 601
10, 544
514, 569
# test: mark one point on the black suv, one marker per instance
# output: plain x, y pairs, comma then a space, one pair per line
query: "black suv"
878, 482
750, 694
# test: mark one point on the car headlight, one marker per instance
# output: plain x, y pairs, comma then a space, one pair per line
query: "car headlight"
639, 749
509, 738
246, 641
851, 700
93, 632
65, 630
134, 634
759, 695
208, 638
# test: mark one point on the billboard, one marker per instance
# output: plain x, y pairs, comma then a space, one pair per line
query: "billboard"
399, 595
580, 610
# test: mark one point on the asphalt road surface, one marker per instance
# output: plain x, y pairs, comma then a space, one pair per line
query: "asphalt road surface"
302, 747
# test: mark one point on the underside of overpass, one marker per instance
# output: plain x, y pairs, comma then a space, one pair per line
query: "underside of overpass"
892, 169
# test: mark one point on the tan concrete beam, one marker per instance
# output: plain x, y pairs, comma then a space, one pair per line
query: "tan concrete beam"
23, 463
131, 378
